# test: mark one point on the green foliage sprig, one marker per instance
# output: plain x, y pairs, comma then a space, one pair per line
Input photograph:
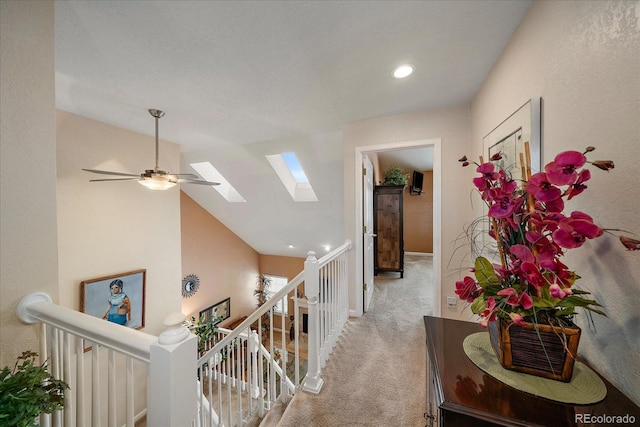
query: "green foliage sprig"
28, 391
395, 176
205, 330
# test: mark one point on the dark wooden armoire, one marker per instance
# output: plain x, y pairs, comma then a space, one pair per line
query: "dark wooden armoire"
387, 221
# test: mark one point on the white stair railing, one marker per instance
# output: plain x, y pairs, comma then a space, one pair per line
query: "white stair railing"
327, 294
248, 370
118, 360
242, 375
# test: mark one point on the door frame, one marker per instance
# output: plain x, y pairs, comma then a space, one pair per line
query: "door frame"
360, 151
368, 237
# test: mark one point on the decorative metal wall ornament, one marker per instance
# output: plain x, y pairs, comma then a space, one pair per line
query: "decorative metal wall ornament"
190, 285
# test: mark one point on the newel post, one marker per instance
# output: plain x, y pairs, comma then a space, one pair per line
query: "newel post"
171, 394
312, 381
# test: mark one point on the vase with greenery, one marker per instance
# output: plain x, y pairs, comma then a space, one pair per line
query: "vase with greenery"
395, 175
529, 284
28, 390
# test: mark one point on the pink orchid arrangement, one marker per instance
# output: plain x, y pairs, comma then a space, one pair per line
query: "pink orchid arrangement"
532, 233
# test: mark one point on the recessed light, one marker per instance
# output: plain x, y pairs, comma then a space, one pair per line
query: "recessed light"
403, 71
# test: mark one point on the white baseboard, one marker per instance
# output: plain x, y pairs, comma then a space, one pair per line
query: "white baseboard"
424, 254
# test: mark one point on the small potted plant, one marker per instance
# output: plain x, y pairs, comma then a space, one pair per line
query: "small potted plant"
262, 294
28, 390
205, 331
395, 176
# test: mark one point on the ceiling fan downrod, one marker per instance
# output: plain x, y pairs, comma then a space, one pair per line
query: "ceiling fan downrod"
157, 114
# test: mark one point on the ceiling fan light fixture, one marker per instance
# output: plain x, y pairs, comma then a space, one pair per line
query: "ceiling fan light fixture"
157, 182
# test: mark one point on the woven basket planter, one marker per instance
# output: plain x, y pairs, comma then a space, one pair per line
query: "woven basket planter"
542, 350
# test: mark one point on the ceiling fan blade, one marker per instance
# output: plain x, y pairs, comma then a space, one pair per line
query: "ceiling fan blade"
111, 173
186, 175
196, 181
114, 179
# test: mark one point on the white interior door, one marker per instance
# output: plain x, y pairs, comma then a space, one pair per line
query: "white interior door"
367, 235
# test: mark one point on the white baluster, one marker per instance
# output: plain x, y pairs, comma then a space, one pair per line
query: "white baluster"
253, 346
95, 386
129, 394
312, 381
111, 390
66, 377
80, 383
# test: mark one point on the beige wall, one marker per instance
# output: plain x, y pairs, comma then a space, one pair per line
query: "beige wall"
28, 223
418, 217
107, 228
582, 59
226, 265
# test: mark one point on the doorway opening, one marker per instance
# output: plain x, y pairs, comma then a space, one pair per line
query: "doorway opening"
361, 202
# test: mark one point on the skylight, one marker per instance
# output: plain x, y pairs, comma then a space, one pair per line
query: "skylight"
290, 172
210, 173
291, 160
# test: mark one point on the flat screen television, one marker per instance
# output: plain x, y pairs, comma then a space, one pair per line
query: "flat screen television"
416, 182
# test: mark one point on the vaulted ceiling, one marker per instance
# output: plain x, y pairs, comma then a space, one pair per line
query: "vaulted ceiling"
240, 80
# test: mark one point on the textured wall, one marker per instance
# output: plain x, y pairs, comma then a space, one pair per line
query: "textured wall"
582, 59
29, 254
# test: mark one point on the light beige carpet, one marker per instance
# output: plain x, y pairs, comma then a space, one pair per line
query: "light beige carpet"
376, 375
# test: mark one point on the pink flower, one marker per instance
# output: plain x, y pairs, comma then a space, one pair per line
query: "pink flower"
488, 174
578, 187
532, 274
574, 231
503, 201
467, 289
557, 292
522, 252
516, 299
542, 189
516, 318
533, 233
562, 171
489, 313
525, 301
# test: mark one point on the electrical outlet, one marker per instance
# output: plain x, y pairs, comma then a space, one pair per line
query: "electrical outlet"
451, 301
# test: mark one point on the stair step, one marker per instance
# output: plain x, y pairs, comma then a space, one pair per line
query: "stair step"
274, 415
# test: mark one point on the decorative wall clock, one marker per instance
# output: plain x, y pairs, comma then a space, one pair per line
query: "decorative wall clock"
190, 285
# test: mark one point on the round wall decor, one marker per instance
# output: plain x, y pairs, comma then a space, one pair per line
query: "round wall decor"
190, 285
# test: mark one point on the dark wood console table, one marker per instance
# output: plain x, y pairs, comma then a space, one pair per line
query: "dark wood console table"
461, 394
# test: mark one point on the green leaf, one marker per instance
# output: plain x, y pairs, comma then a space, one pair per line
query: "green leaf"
543, 302
478, 305
485, 274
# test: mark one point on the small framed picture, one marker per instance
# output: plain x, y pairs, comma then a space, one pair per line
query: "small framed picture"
119, 298
218, 311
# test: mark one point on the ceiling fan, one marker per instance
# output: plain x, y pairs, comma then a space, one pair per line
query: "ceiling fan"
154, 179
